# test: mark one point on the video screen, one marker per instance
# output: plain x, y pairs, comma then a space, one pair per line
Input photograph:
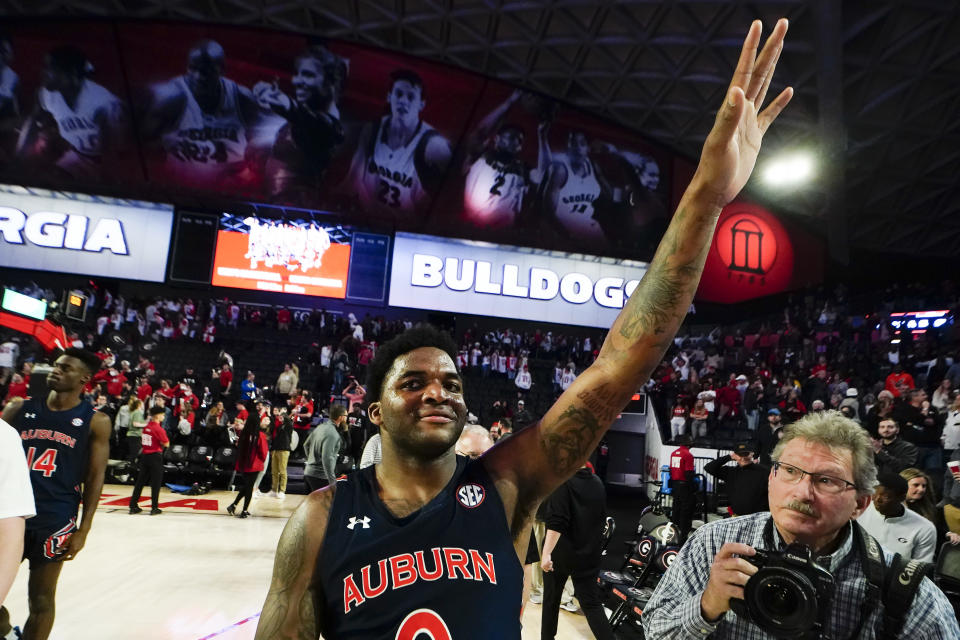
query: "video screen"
301, 256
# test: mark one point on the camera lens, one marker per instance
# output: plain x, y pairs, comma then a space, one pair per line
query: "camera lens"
778, 598
781, 601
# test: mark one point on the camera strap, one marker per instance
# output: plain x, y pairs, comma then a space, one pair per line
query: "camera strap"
895, 587
872, 561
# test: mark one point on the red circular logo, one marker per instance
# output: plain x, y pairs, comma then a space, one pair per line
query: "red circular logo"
747, 244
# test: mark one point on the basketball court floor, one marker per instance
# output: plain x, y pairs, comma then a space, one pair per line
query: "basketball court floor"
192, 573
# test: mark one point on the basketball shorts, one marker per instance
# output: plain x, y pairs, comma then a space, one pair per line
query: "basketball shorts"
47, 544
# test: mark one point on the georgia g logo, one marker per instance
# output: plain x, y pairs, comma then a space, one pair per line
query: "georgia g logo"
470, 495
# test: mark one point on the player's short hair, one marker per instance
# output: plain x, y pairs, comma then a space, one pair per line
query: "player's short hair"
88, 358
155, 410
337, 411
422, 335
833, 431
893, 482
209, 48
410, 76
70, 59
334, 67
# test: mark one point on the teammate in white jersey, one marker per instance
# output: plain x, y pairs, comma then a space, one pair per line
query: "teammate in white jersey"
76, 122
497, 179
200, 119
400, 159
573, 188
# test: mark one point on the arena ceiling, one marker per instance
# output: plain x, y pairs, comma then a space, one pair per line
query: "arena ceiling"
877, 82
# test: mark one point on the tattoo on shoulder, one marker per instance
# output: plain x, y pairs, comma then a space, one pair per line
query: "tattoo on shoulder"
565, 442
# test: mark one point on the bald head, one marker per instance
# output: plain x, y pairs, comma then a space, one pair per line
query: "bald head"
205, 64
474, 441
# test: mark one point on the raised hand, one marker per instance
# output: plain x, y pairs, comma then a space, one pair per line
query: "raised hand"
730, 151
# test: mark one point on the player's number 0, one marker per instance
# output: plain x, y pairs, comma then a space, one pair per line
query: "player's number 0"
423, 621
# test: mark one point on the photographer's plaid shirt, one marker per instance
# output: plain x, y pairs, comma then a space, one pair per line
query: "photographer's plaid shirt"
674, 609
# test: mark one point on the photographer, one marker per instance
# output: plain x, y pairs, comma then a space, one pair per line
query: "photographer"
694, 597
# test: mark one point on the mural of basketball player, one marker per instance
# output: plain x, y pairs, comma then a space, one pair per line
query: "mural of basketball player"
311, 132
573, 187
9, 99
497, 179
637, 200
400, 159
76, 123
200, 121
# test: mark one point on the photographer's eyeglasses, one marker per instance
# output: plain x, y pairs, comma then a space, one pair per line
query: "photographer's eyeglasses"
823, 484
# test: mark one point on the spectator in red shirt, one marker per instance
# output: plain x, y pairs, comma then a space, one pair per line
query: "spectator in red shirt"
252, 451
283, 319
898, 381
167, 391
17, 388
153, 440
728, 401
304, 410
681, 485
115, 382
144, 390
242, 412
226, 380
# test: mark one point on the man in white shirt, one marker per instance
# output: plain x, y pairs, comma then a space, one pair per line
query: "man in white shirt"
897, 528
9, 354
16, 505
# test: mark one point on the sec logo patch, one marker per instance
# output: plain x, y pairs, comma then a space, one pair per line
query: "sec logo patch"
77, 422
470, 495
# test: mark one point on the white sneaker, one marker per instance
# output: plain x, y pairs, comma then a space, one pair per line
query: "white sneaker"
536, 598
281, 495
570, 606
272, 494
257, 494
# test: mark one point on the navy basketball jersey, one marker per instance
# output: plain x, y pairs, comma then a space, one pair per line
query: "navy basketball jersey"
55, 443
447, 572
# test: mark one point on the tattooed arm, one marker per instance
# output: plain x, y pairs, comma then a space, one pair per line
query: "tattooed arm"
530, 464
292, 609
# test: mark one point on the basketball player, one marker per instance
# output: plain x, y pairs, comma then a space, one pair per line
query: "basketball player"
413, 544
9, 98
497, 179
66, 444
200, 120
574, 185
312, 131
83, 121
400, 159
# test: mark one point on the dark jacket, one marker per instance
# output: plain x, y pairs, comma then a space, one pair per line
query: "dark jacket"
922, 429
896, 456
282, 435
746, 486
767, 439
578, 510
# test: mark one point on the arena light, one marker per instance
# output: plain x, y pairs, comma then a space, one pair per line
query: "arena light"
788, 170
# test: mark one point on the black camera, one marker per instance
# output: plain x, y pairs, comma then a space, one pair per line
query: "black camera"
790, 596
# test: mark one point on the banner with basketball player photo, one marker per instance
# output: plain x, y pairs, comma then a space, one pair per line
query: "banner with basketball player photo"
530, 171
206, 114
293, 255
386, 140
291, 120
64, 116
